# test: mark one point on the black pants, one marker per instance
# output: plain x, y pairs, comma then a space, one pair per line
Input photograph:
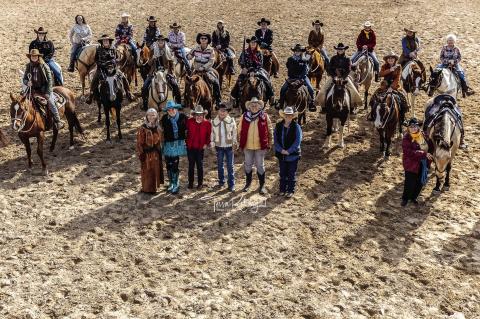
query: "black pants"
195, 157
412, 187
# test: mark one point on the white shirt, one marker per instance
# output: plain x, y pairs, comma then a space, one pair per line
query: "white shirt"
79, 33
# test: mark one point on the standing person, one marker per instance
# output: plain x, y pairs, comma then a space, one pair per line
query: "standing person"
287, 138
149, 152
224, 140
124, 34
80, 35
255, 133
417, 158
174, 126
221, 41
177, 44
152, 32
47, 49
367, 40
199, 131
316, 39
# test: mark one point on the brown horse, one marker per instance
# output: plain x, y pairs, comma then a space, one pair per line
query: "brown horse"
297, 96
270, 62
317, 67
221, 65
85, 63
198, 92
144, 55
28, 121
126, 63
252, 87
387, 117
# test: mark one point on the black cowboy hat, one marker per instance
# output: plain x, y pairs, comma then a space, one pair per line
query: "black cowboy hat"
224, 105
105, 37
40, 30
341, 46
414, 121
254, 39
262, 20
206, 35
298, 47
175, 26
152, 19
161, 37
317, 22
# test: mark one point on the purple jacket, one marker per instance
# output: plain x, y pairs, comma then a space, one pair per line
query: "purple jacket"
412, 154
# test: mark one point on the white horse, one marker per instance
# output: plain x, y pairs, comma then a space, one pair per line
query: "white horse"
158, 92
412, 81
363, 74
444, 81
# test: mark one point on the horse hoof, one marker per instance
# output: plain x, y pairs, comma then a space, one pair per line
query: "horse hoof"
341, 145
45, 172
446, 188
436, 190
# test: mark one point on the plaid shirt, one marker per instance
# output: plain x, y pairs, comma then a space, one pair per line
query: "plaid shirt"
123, 32
177, 41
449, 53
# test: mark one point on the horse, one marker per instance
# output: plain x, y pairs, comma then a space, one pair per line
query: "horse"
221, 65
144, 55
110, 96
443, 80
363, 74
28, 121
337, 106
412, 82
85, 63
126, 63
270, 61
444, 131
158, 92
198, 92
297, 96
387, 119
252, 87
316, 66
179, 67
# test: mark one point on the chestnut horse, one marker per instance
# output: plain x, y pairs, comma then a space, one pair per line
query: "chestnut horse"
317, 66
221, 65
144, 55
28, 121
252, 87
387, 117
297, 96
85, 63
126, 63
197, 92
270, 62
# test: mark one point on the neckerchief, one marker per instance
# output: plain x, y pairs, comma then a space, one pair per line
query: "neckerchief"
174, 120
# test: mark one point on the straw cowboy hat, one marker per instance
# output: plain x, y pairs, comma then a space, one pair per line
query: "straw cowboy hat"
125, 15
317, 22
410, 29
105, 37
206, 35
263, 20
172, 105
367, 24
256, 101
175, 26
288, 111
391, 55
341, 46
40, 30
298, 47
34, 52
198, 110
152, 19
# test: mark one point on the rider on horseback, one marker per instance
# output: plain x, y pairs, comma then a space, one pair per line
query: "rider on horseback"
177, 44
106, 56
46, 48
221, 41
316, 38
410, 49
152, 32
297, 68
450, 57
38, 78
265, 38
162, 59
251, 60
124, 34
203, 60
340, 65
367, 40
80, 36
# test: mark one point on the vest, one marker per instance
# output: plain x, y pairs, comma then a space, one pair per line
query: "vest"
168, 128
262, 131
289, 139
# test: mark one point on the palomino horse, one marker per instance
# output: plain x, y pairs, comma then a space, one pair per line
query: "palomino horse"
444, 131
387, 118
412, 80
110, 96
270, 62
252, 87
337, 106
158, 92
126, 62
221, 65
144, 55
198, 92
444, 81
179, 68
363, 74
297, 96
28, 121
85, 63
317, 66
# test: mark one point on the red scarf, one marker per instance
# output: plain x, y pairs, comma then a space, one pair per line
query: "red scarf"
252, 55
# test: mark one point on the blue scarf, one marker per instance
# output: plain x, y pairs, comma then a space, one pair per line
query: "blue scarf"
423, 171
250, 117
174, 121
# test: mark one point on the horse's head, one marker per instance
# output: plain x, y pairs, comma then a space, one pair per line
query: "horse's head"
111, 85
415, 77
434, 81
339, 95
191, 90
384, 108
143, 53
252, 79
159, 83
446, 138
18, 111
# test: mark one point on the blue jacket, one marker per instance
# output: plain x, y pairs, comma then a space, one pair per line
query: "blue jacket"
289, 139
297, 68
408, 47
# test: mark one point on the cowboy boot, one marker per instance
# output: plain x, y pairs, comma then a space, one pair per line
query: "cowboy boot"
261, 178
56, 116
71, 66
377, 78
248, 181
176, 183
170, 181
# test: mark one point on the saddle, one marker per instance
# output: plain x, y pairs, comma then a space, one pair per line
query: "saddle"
441, 104
41, 104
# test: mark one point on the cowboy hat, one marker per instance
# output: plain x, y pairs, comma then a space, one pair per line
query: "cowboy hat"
34, 52
105, 37
198, 110
152, 19
253, 38
288, 111
341, 46
175, 26
206, 35
256, 101
298, 47
367, 24
224, 105
390, 55
263, 20
414, 121
161, 37
40, 30
409, 29
125, 15
317, 22
220, 21
172, 105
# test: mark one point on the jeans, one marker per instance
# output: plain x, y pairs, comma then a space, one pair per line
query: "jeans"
254, 157
133, 46
324, 53
373, 55
458, 69
222, 153
195, 158
412, 187
288, 178
74, 52
307, 82
56, 71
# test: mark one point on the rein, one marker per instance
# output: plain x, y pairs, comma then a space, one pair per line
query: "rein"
390, 110
157, 102
365, 54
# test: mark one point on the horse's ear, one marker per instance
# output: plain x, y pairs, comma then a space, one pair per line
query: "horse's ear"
196, 79
12, 97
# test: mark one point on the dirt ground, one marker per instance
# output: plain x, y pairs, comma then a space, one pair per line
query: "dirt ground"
83, 243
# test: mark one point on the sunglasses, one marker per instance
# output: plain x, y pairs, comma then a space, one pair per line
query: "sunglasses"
203, 38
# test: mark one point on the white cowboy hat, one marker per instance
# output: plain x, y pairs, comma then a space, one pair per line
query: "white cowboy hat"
125, 15
256, 101
288, 111
199, 110
367, 24
220, 21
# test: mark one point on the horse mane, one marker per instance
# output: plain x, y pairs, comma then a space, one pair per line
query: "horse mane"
439, 135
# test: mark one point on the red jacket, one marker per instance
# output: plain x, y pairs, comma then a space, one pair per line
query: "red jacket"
362, 40
412, 154
198, 134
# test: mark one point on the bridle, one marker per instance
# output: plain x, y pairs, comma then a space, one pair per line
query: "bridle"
23, 119
448, 145
154, 82
389, 110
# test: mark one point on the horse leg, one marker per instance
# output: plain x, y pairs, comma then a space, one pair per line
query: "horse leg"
328, 139
446, 185
341, 143
40, 140
54, 138
382, 140
99, 119
388, 141
106, 109
118, 108
82, 80
28, 148
365, 104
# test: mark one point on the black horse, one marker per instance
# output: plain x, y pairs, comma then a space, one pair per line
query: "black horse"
337, 106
